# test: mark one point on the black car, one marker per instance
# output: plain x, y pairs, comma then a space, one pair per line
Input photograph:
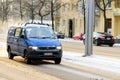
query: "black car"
102, 38
60, 35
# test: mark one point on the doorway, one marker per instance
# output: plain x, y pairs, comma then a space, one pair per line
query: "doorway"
70, 28
108, 24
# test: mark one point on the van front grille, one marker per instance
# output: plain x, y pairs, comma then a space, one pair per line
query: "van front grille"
47, 48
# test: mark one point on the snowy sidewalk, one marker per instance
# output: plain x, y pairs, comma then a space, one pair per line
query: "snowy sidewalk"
94, 61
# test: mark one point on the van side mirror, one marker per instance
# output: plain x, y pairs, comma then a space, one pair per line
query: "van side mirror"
22, 36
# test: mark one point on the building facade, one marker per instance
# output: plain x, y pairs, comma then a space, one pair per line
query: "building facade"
71, 18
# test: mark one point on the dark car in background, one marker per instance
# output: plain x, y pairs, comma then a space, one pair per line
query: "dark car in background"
100, 38
60, 35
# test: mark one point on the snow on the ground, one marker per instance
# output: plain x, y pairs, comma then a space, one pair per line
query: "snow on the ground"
2, 44
94, 61
71, 40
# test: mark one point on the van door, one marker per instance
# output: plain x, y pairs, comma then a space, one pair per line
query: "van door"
21, 43
15, 40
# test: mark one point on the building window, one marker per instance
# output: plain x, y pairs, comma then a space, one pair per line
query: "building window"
80, 23
96, 22
64, 8
117, 3
109, 3
63, 23
76, 23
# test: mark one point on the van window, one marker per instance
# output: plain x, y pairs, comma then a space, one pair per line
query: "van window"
11, 32
22, 32
39, 32
17, 32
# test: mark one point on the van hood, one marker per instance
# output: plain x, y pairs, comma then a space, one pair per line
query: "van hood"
43, 42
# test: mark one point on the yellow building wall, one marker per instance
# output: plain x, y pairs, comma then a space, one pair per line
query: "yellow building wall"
116, 26
116, 20
97, 27
71, 14
78, 21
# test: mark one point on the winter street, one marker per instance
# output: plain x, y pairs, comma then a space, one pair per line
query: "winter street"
74, 66
59, 39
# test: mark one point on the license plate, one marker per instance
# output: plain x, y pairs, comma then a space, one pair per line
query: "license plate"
108, 38
48, 54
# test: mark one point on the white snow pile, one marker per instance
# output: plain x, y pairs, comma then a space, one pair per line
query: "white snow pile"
2, 44
71, 40
94, 61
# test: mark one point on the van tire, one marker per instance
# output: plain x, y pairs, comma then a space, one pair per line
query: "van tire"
10, 55
27, 60
57, 61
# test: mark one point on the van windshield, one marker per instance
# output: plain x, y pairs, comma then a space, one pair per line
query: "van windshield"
40, 32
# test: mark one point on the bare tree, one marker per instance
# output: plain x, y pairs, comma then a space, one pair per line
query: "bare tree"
81, 4
102, 5
5, 9
19, 8
55, 6
1, 11
44, 9
48, 7
30, 9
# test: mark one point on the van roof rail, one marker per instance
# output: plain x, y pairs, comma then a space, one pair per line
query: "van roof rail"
36, 23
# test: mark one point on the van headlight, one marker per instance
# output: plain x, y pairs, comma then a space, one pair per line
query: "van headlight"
59, 47
33, 48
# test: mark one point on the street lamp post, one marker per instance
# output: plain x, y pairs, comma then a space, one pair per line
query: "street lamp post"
89, 27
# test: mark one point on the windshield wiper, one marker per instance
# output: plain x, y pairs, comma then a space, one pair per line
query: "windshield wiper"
51, 37
34, 37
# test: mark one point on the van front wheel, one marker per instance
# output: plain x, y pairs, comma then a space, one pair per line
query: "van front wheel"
27, 60
57, 61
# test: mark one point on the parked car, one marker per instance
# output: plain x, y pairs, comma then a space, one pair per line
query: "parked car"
78, 36
34, 41
101, 38
60, 35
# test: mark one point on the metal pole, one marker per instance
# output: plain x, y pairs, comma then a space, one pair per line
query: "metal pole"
89, 27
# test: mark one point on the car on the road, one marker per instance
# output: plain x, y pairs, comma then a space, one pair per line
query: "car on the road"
78, 36
34, 41
60, 35
101, 38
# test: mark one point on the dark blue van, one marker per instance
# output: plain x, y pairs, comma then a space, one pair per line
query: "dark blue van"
34, 41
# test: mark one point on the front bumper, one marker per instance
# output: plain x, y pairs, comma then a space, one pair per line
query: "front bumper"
46, 54
106, 41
